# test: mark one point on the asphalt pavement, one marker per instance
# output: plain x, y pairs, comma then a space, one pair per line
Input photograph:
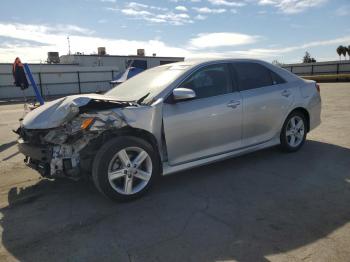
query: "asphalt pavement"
263, 206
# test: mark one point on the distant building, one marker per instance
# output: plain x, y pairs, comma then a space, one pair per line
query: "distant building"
77, 73
121, 62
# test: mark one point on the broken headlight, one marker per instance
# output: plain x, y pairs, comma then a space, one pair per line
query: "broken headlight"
56, 137
78, 124
60, 136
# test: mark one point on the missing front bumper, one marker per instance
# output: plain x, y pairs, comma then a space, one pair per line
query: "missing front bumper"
40, 158
40, 153
42, 167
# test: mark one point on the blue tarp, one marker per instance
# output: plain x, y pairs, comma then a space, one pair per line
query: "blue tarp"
122, 77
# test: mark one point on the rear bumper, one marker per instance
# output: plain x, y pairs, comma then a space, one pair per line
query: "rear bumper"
315, 112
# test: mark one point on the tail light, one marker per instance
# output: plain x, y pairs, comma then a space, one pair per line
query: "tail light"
318, 88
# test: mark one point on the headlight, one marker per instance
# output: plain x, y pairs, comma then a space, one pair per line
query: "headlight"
56, 137
59, 136
78, 124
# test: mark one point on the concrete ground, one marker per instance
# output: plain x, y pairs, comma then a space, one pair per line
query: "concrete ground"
264, 206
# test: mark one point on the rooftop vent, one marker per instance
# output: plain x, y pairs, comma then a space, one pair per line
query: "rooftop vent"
101, 51
53, 57
141, 52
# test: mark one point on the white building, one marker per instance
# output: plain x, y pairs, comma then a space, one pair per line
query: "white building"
76, 73
118, 61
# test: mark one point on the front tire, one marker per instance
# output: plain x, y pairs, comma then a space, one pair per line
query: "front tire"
293, 133
125, 168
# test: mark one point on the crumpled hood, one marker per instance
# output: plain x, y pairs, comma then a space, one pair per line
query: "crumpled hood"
55, 113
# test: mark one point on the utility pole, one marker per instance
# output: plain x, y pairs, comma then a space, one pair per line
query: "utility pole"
68, 45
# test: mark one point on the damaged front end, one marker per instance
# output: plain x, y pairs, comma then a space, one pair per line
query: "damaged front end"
57, 140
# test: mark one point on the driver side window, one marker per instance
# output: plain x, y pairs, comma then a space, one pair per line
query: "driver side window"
210, 81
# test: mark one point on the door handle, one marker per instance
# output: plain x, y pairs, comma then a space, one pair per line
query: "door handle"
285, 93
233, 104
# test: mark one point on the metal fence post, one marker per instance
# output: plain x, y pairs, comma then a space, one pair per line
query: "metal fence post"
40, 84
312, 69
291, 69
78, 74
112, 74
337, 68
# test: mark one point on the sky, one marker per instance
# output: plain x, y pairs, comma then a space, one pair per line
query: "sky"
265, 29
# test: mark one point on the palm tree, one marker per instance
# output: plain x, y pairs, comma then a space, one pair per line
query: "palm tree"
344, 51
348, 49
340, 51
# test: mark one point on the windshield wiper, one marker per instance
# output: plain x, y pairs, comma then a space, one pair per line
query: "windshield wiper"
142, 99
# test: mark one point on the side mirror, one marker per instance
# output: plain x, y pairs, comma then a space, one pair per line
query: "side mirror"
183, 94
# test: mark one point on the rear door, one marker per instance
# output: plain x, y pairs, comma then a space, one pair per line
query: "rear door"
266, 100
208, 125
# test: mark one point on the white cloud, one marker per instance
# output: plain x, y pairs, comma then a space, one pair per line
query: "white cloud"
181, 8
154, 14
274, 52
136, 5
227, 3
343, 10
178, 1
51, 40
114, 9
11, 30
292, 6
133, 12
212, 40
207, 10
140, 6
158, 8
200, 17
32, 42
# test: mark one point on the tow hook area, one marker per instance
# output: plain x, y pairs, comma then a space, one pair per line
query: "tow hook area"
45, 170
42, 167
65, 161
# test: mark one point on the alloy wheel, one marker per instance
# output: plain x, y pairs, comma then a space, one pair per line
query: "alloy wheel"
295, 131
130, 170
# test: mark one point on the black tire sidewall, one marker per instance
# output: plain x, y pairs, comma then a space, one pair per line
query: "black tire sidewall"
283, 138
105, 155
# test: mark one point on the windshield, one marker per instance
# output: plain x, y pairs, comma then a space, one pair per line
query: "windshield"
151, 82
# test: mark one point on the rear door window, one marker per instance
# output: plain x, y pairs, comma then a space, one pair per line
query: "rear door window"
276, 79
252, 75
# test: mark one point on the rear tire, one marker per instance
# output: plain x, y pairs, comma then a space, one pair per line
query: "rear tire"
293, 133
125, 168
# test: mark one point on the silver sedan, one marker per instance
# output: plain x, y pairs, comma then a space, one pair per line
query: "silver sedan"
168, 119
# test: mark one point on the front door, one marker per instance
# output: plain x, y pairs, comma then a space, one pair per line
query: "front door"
208, 125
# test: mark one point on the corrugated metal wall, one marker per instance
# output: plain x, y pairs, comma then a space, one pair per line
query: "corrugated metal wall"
320, 68
55, 80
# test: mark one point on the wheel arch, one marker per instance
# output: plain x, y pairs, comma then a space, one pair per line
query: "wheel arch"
304, 111
138, 133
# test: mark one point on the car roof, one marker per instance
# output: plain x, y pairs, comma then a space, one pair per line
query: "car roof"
198, 61
189, 64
